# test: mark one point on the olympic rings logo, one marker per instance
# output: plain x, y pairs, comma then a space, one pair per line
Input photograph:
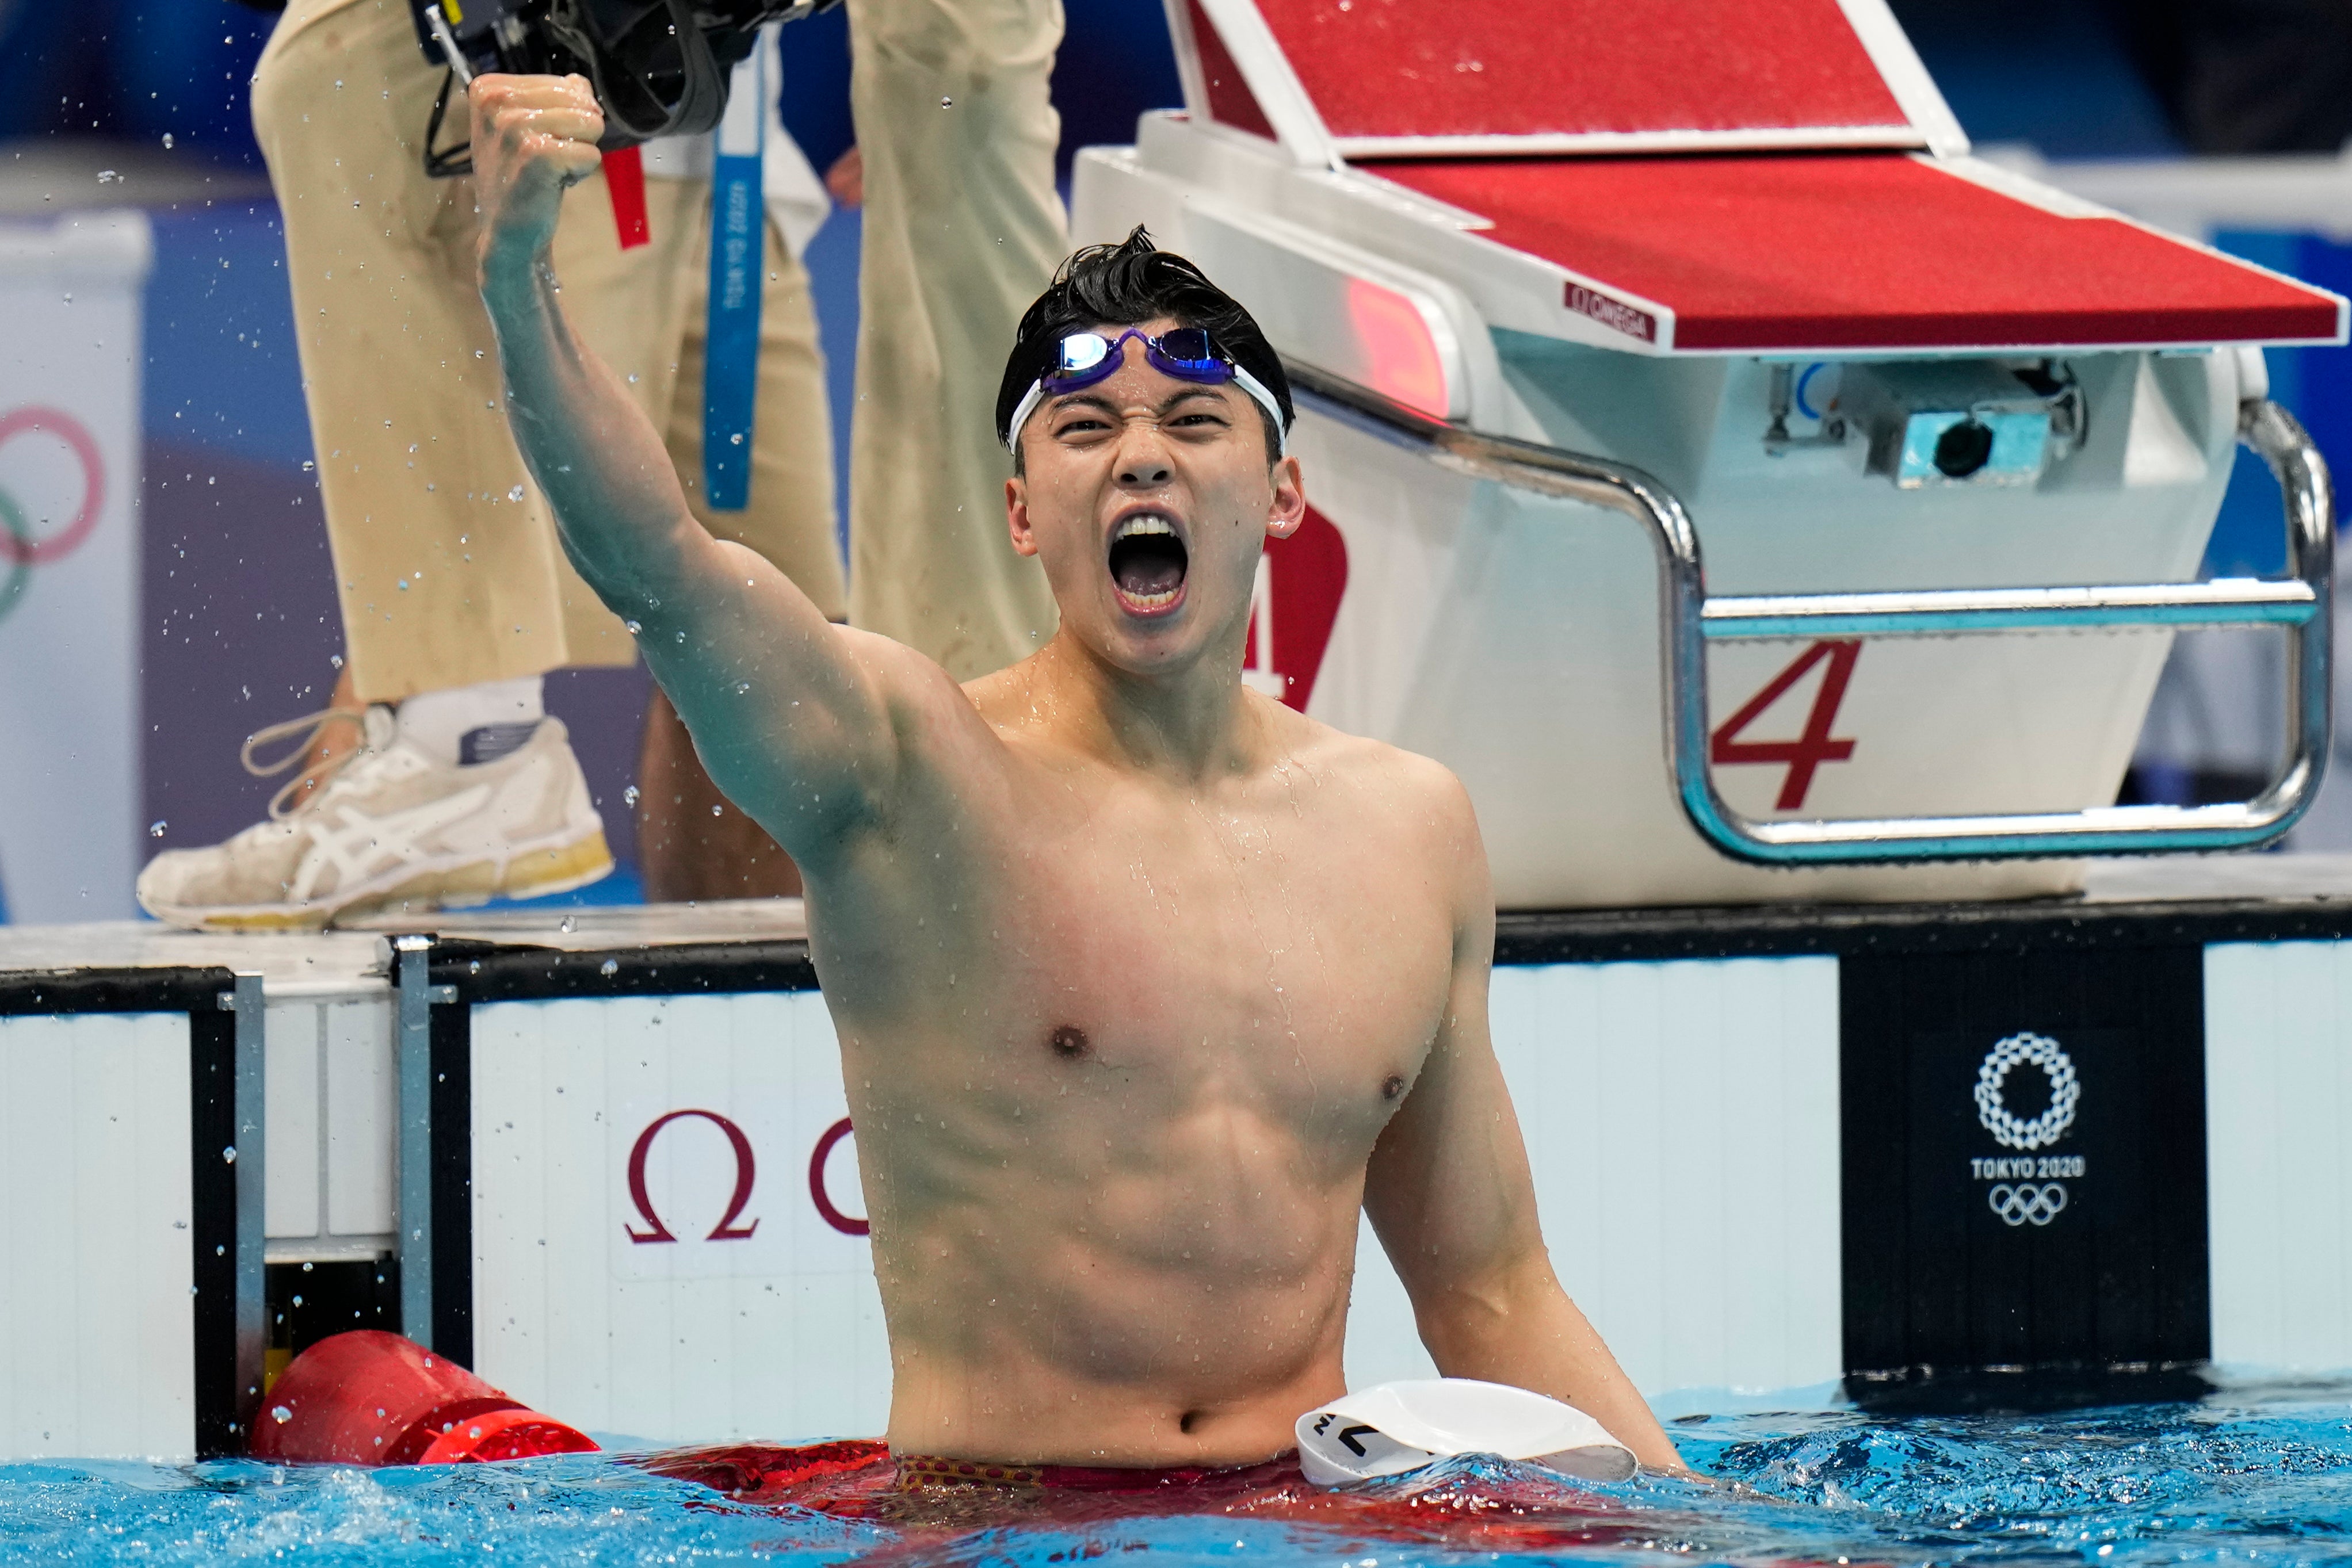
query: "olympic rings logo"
2027, 1203
1993, 1108
19, 547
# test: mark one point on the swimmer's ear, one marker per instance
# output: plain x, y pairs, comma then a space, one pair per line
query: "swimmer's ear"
1016, 515
1289, 510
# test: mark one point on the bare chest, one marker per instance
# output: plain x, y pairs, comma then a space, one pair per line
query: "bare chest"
1183, 958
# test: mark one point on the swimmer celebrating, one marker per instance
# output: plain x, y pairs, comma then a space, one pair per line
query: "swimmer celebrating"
1145, 983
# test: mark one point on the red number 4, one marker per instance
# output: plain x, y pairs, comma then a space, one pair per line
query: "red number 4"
1812, 748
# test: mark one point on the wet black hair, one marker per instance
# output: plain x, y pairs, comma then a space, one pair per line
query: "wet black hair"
1126, 285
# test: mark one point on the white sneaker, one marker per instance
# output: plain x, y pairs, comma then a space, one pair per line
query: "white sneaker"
394, 829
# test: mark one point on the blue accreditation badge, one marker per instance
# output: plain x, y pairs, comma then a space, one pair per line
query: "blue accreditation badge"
731, 365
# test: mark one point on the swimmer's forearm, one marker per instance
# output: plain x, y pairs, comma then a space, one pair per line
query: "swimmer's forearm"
618, 508
1522, 1329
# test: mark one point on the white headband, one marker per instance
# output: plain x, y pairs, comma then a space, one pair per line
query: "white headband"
1242, 378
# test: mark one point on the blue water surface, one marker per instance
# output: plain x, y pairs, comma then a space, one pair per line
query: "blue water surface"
2253, 1476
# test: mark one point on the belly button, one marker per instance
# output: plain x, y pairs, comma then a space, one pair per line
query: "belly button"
1070, 1044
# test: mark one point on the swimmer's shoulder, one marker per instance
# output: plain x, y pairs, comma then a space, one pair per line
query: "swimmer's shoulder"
1400, 786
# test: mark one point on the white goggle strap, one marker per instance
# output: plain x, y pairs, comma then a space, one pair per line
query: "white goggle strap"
1242, 378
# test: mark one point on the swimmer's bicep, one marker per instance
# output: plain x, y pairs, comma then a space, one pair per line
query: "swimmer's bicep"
796, 719
1448, 1182
1448, 1188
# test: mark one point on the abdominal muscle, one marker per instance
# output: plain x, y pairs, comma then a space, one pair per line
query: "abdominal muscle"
1174, 1311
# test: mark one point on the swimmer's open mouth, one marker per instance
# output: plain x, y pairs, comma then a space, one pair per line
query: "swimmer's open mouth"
1146, 564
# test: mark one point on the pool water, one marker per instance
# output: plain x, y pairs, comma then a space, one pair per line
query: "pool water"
2252, 1476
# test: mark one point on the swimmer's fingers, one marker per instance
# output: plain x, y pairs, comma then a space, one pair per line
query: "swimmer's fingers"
1740, 1491
533, 136
531, 121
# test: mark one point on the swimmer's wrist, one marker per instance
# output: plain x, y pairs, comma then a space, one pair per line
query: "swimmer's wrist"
509, 264
510, 275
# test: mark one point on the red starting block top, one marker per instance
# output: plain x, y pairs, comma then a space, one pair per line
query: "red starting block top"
1786, 253
1364, 78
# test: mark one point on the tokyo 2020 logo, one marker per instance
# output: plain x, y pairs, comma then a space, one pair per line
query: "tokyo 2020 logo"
2026, 1202
23, 543
2009, 1129
2037, 1200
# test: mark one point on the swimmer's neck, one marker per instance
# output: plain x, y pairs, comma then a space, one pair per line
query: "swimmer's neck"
1189, 722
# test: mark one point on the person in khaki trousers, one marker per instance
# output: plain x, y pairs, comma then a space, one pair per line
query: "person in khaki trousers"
455, 596
956, 134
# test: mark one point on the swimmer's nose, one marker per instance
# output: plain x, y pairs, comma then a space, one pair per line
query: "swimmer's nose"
1145, 470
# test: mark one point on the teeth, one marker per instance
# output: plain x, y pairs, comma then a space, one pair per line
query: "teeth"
1144, 525
1148, 600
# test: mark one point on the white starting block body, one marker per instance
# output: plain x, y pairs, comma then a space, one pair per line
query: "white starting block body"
1779, 338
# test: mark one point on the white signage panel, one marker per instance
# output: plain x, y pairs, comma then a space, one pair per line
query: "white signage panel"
96, 1264
668, 1230
71, 293
1682, 1127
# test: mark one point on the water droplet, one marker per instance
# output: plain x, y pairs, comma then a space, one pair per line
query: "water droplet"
298, 1300
564, 924
947, 103
741, 687
336, 660
736, 439
155, 828
717, 810
108, 176
633, 628
308, 466
167, 142
609, 967
515, 493
629, 796
281, 1415
230, 1155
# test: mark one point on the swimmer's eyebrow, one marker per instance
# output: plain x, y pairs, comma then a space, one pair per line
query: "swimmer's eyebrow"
1095, 400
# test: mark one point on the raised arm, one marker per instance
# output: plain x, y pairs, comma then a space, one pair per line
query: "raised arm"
1449, 1193
797, 719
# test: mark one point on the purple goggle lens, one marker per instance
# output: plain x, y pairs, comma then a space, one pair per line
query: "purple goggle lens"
1187, 353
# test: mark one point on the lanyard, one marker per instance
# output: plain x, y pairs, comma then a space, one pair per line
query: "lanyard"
730, 366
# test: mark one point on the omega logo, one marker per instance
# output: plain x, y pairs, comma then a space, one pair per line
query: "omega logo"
746, 1173
746, 1176
844, 1223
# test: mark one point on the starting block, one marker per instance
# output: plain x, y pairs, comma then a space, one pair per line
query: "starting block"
1727, 272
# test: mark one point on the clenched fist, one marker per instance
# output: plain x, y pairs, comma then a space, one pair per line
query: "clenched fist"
532, 137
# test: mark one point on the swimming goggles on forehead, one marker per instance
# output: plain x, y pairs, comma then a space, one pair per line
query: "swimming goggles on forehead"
1187, 353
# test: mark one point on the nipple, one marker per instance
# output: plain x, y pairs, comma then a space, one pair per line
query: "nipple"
1070, 1043
1392, 1085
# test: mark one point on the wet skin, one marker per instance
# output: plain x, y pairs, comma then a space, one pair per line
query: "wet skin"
1146, 984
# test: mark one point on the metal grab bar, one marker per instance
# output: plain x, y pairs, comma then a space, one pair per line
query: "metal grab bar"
2302, 604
